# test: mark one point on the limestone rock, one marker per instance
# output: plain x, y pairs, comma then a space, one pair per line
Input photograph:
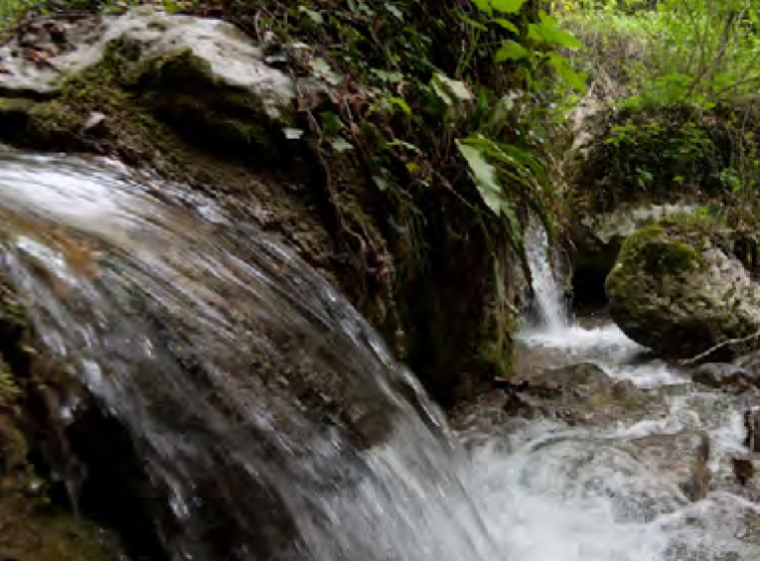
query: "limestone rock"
203, 77
674, 291
227, 55
598, 238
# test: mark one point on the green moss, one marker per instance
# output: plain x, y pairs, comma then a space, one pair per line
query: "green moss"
31, 532
660, 252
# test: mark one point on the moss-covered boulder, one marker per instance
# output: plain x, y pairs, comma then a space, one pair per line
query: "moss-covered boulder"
677, 292
598, 238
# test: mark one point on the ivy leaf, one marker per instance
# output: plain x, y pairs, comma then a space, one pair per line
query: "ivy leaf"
314, 16
322, 71
386, 76
508, 25
450, 91
380, 182
292, 134
341, 145
508, 6
510, 50
485, 177
484, 6
548, 32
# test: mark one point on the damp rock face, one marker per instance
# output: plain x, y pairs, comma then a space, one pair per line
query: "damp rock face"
673, 290
204, 77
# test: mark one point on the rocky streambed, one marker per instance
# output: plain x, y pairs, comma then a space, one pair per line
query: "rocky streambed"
603, 452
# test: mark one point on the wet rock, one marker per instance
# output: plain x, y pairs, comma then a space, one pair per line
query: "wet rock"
31, 526
750, 362
724, 376
681, 457
204, 77
598, 239
214, 49
584, 394
674, 291
744, 470
752, 428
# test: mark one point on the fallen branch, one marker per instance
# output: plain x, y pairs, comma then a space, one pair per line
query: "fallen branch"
701, 356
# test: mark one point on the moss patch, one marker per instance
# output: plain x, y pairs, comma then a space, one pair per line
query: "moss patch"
659, 253
33, 533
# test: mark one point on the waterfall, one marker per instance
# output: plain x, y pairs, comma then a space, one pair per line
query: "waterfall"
272, 424
548, 297
271, 418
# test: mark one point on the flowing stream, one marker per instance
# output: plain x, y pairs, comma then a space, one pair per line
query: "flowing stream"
273, 424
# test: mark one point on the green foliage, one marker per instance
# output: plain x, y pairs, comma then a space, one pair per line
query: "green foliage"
698, 52
534, 44
647, 154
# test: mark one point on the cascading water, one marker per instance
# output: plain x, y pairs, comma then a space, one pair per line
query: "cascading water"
274, 425
548, 300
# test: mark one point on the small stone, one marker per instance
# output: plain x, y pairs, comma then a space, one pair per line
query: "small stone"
94, 120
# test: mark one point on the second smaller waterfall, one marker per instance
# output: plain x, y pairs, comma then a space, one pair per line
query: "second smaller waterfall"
548, 299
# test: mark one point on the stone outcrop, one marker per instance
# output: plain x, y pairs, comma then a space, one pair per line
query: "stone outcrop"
673, 290
202, 75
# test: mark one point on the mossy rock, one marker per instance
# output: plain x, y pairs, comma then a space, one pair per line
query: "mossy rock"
675, 290
34, 533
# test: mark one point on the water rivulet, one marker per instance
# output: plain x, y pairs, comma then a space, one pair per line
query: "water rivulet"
268, 421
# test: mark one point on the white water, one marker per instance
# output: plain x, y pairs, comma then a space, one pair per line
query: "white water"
549, 303
530, 491
550, 492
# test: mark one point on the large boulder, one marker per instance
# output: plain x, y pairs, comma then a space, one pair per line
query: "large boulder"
677, 292
598, 237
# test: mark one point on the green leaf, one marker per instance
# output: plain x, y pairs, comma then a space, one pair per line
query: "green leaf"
292, 134
485, 177
398, 14
473, 23
508, 6
548, 32
380, 183
508, 25
390, 77
575, 80
450, 91
331, 123
565, 39
341, 145
484, 6
314, 16
324, 72
510, 50
401, 104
